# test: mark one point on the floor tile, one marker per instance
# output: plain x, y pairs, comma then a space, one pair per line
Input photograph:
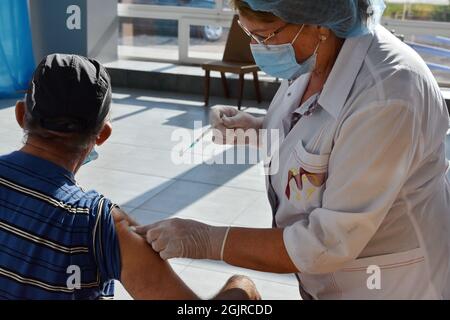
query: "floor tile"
205, 283
202, 201
124, 188
145, 217
286, 279
257, 215
239, 176
139, 160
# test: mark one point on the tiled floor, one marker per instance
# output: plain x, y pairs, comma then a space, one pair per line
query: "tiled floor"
136, 171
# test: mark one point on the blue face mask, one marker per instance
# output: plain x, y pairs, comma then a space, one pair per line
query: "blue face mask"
279, 61
91, 157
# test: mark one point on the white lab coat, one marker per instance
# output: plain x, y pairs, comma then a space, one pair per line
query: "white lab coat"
372, 164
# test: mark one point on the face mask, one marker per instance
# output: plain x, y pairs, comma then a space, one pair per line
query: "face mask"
91, 157
279, 61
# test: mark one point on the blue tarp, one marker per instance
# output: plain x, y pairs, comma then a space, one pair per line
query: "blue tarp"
16, 51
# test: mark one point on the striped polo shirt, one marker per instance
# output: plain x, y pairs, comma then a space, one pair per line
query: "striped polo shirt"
57, 241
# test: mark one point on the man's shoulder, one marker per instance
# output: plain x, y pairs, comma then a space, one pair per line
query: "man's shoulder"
100, 207
8, 156
95, 202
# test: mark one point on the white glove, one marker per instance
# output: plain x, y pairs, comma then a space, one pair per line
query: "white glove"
227, 120
178, 238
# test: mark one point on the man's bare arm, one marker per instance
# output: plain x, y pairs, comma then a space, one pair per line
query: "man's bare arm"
144, 274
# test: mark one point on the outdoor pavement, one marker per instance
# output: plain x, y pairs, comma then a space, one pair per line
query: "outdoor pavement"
135, 170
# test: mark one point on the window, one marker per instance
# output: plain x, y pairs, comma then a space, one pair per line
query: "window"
186, 31
193, 31
155, 39
210, 4
435, 10
426, 28
207, 42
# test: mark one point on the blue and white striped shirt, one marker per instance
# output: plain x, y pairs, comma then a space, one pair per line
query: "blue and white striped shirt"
49, 230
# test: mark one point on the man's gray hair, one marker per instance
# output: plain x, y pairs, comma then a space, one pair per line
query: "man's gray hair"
74, 142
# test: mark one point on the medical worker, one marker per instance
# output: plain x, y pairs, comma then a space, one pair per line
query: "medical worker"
357, 181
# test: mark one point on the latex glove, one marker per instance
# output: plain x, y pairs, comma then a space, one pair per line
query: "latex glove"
179, 238
227, 120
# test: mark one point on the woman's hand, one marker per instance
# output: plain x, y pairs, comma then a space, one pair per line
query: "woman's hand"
227, 120
257, 249
179, 238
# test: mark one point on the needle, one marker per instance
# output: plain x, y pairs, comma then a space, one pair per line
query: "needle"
204, 134
196, 141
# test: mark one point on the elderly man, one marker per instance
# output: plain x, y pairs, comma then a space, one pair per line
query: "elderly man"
58, 241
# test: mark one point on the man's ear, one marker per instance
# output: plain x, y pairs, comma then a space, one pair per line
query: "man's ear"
20, 113
104, 134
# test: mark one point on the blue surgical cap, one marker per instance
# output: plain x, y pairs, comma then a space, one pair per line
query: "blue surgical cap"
346, 18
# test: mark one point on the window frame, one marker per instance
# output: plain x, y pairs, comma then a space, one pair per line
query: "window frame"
185, 16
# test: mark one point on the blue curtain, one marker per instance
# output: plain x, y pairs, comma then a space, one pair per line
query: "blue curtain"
16, 51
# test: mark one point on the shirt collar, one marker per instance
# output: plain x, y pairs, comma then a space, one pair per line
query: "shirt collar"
44, 167
344, 73
306, 106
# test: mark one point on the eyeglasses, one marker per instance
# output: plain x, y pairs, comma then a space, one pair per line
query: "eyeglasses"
259, 39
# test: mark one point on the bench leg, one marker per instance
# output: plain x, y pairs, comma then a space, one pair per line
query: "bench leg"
241, 90
225, 85
257, 89
207, 83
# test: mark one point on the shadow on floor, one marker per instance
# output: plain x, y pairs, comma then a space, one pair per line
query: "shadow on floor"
217, 175
193, 108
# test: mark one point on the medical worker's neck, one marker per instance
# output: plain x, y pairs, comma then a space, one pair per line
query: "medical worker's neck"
327, 56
